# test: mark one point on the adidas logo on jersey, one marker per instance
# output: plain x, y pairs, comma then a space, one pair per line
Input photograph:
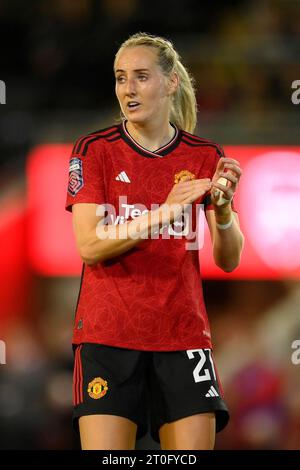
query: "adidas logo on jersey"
123, 177
212, 392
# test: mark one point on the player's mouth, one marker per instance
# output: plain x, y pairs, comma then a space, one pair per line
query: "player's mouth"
133, 105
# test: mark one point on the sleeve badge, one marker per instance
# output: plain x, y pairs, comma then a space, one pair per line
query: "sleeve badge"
75, 176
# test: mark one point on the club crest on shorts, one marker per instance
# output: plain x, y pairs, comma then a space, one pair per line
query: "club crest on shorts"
97, 388
75, 176
183, 175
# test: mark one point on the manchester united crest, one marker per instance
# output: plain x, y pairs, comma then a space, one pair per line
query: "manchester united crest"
97, 388
184, 175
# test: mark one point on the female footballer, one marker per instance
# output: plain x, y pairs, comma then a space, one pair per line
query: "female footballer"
142, 341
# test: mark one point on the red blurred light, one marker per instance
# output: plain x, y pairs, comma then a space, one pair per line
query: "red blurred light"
51, 244
14, 276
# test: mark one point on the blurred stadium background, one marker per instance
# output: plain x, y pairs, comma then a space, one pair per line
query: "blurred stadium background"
56, 61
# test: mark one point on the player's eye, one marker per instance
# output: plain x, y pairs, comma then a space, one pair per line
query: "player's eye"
120, 79
143, 77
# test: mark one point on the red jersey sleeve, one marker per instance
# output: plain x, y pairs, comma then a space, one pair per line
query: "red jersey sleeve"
214, 162
86, 182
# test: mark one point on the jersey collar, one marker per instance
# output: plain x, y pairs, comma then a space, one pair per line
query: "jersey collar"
161, 152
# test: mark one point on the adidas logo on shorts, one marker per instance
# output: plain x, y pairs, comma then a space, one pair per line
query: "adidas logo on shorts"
212, 392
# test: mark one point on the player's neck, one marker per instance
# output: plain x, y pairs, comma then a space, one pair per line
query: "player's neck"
151, 137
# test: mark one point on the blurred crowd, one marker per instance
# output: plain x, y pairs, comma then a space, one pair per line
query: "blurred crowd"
261, 379
60, 52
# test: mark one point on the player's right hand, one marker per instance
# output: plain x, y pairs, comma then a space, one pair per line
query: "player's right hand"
185, 192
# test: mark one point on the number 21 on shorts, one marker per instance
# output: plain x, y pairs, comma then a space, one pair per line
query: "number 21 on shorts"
200, 373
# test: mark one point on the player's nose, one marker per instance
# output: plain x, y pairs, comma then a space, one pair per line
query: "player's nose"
130, 88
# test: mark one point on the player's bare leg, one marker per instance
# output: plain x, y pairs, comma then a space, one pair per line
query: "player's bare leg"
195, 432
107, 432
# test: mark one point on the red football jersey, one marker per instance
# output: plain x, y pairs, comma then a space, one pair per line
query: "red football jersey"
150, 297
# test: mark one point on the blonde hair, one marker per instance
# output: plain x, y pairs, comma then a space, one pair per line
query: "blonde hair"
183, 110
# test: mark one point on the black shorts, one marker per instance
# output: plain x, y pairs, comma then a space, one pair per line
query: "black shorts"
146, 386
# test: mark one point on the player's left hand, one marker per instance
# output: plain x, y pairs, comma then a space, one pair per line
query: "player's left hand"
230, 169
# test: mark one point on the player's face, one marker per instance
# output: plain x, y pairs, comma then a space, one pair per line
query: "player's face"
141, 87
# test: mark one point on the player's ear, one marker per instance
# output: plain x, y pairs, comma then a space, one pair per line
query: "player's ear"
173, 83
